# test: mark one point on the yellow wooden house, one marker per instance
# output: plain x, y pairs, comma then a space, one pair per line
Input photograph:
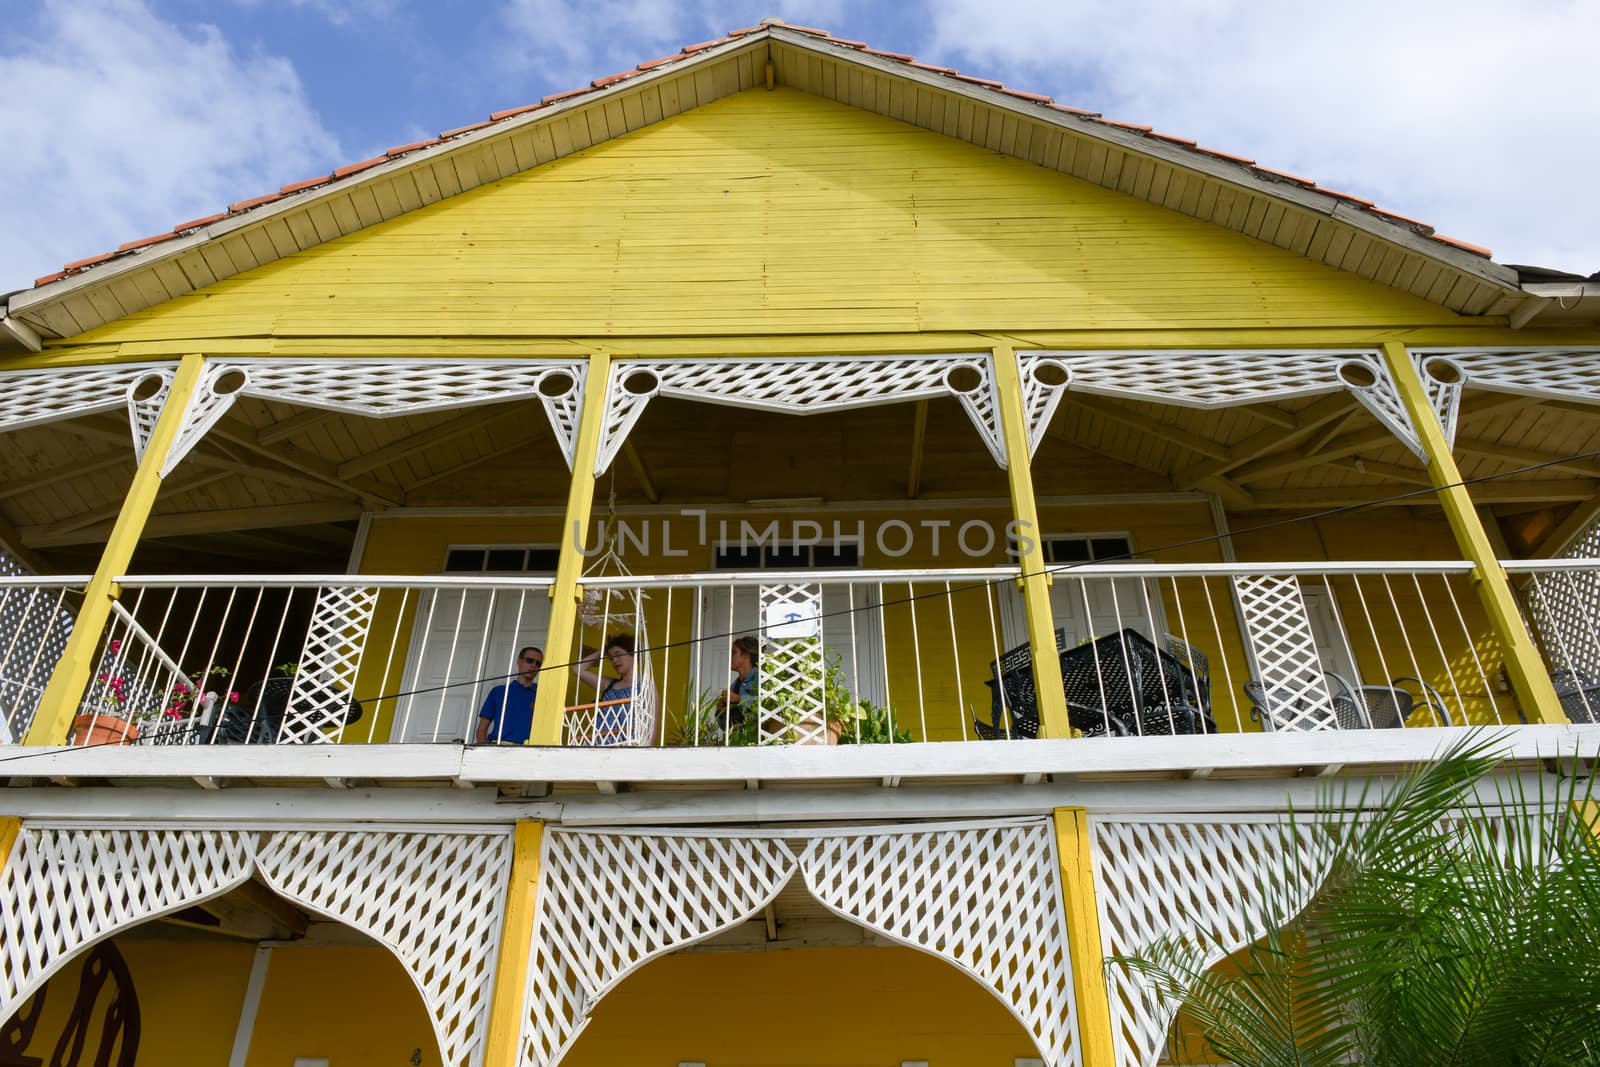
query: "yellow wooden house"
1058, 499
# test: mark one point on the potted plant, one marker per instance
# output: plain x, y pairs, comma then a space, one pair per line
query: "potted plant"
848, 721
119, 711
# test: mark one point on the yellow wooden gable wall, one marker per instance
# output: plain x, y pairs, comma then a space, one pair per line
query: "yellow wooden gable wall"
770, 213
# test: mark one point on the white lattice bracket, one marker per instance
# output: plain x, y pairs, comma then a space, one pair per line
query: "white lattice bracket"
800, 387
218, 389
62, 890
433, 899
1285, 651
1045, 381
608, 903
985, 899
792, 699
35, 397
1220, 881
1369, 381
384, 388
1444, 379
330, 659
145, 396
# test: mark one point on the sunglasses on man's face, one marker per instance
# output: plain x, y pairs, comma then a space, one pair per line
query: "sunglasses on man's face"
534, 662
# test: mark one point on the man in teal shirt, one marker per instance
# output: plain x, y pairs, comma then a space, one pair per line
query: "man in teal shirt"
507, 715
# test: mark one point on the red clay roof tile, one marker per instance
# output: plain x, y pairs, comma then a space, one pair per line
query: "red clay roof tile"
930, 66
609, 79
1363, 201
743, 31
445, 135
1038, 98
1226, 155
1134, 126
1159, 136
1467, 245
1075, 110
1283, 174
146, 242
812, 30
355, 168
402, 149
89, 262
553, 97
703, 45
1416, 224
654, 63
849, 43
309, 183
48, 278
496, 116
904, 57
194, 224
969, 78
255, 201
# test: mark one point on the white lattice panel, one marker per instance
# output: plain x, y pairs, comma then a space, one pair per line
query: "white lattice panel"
1039, 400
1565, 606
382, 388
608, 903
1279, 628
143, 411
329, 662
792, 696
434, 899
35, 622
63, 890
798, 387
1178, 878
986, 899
33, 397
1553, 373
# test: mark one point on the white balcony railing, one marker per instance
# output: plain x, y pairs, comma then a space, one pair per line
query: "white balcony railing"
843, 656
1561, 603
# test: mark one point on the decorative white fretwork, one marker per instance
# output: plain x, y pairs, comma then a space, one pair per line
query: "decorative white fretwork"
383, 388
1443, 378
1546, 373
215, 393
319, 699
1040, 398
146, 395
1208, 378
986, 899
610, 902
1285, 650
62, 890
1220, 881
792, 697
34, 397
801, 387
434, 900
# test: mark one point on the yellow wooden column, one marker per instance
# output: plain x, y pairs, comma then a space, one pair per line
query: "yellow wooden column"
59, 703
1529, 678
1035, 581
516, 937
10, 827
1075, 853
554, 681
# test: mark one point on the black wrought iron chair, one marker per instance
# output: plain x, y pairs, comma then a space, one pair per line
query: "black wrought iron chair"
1579, 694
1367, 707
258, 717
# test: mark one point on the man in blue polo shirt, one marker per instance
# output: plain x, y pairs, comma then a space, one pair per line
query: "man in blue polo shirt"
507, 715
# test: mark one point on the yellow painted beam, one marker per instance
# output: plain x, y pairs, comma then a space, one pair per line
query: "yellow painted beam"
1047, 682
1075, 853
1529, 678
550, 702
506, 1005
60, 700
10, 827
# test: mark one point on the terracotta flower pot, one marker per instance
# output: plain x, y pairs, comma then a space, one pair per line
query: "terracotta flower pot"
835, 730
88, 730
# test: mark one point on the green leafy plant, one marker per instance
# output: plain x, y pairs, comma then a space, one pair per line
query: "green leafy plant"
1452, 921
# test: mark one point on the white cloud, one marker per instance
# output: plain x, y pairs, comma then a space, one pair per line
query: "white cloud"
337, 12
1477, 116
118, 125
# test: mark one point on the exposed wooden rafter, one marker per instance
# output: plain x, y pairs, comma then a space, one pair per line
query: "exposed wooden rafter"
919, 438
1256, 445
1141, 421
1509, 491
470, 421
200, 522
636, 463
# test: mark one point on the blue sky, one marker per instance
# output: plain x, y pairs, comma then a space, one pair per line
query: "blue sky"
123, 117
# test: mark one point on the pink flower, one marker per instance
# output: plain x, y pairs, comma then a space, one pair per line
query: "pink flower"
173, 713
233, 696
115, 645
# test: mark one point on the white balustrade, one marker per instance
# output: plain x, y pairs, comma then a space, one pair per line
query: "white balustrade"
36, 617
1560, 599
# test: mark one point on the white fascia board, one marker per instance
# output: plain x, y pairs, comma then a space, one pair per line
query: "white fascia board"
1236, 174
398, 763
114, 268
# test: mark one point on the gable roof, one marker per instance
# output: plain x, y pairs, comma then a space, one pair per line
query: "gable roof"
1286, 210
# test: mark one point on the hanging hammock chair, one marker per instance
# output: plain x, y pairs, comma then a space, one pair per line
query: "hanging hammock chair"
629, 719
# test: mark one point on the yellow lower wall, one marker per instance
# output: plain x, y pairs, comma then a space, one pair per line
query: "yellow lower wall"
843, 1007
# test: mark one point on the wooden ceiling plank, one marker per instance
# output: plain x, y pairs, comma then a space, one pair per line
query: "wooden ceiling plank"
1141, 421
448, 430
294, 425
199, 522
1508, 491
1273, 439
1525, 457
67, 472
